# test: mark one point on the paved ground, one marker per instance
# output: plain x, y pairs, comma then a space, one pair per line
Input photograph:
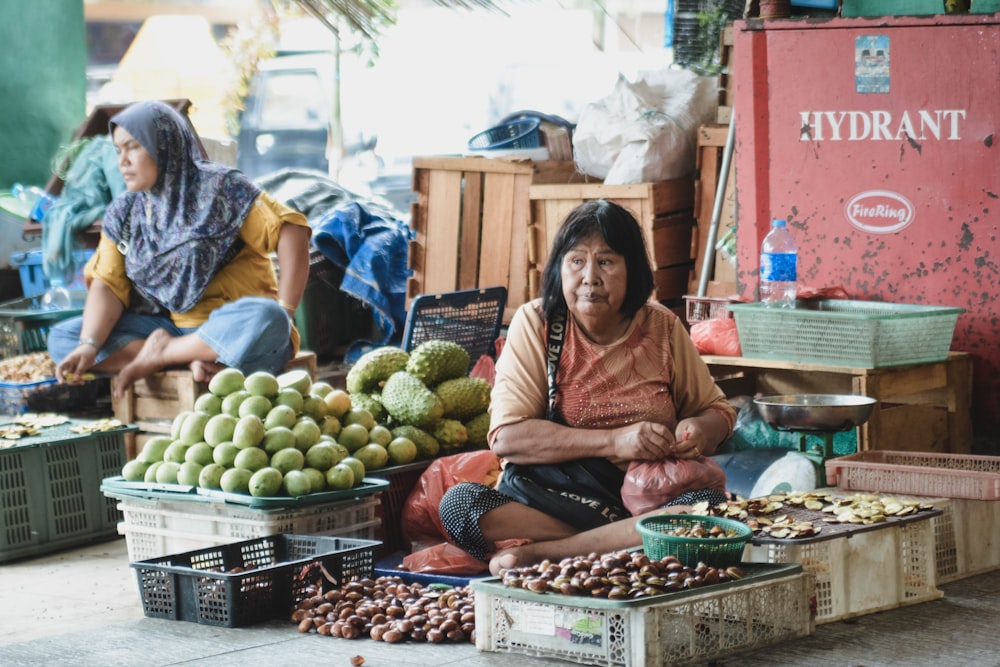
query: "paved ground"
81, 608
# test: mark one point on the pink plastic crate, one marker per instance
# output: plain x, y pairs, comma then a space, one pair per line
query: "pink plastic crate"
918, 473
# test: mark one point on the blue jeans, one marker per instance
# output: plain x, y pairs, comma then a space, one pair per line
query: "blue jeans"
251, 334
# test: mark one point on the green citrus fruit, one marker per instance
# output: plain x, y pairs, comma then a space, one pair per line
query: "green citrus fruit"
277, 438
374, 456
166, 473
176, 451
177, 423
225, 453
296, 483
330, 426
188, 473
150, 476
226, 382
209, 403
265, 483
401, 451
321, 456
317, 479
211, 476
340, 477
135, 470
236, 480
201, 453
288, 459
290, 398
314, 407
353, 436
249, 432
220, 428
261, 383
231, 403
193, 428
255, 405
380, 435
320, 388
252, 459
306, 434
338, 402
280, 415
357, 466
361, 416
153, 449
296, 379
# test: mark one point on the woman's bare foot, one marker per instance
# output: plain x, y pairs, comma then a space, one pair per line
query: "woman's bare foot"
203, 371
524, 554
148, 360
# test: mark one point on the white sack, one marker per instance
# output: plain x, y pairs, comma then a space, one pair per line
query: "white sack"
646, 130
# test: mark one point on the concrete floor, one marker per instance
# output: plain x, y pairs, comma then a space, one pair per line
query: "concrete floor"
81, 608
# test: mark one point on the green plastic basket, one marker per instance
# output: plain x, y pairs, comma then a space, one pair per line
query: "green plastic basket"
866, 334
713, 551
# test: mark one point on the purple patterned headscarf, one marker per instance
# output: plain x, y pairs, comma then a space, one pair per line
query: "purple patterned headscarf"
179, 231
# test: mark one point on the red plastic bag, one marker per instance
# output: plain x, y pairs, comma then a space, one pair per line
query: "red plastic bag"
421, 522
443, 558
716, 336
652, 484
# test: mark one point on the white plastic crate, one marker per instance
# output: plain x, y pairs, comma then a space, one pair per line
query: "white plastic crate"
966, 537
154, 527
861, 573
684, 628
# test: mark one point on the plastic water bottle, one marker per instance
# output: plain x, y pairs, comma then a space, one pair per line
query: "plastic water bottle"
57, 297
778, 264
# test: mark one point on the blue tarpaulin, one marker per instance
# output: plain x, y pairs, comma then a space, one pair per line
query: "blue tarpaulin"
363, 238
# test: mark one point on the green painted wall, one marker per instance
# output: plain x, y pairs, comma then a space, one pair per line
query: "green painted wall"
43, 80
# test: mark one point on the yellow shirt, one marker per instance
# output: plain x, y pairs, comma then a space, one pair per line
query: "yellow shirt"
250, 273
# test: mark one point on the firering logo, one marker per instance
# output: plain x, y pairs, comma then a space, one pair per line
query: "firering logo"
879, 211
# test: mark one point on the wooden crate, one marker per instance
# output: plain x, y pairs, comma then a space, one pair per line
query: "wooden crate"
480, 222
708, 163
463, 202
664, 211
153, 402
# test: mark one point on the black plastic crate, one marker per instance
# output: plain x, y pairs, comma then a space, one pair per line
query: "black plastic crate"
242, 583
471, 318
402, 480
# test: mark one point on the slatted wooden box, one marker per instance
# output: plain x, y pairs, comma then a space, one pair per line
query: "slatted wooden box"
480, 222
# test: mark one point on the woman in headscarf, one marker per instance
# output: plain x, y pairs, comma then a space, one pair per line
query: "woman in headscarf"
182, 274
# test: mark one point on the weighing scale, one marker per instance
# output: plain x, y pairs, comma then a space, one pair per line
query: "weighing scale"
759, 472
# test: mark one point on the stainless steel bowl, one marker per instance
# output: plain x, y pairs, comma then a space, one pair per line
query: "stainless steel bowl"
815, 412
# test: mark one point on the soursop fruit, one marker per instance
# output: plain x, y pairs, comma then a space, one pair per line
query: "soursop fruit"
409, 401
451, 434
374, 368
427, 445
478, 428
464, 397
435, 361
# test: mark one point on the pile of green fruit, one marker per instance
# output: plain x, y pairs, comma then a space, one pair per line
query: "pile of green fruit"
425, 395
266, 436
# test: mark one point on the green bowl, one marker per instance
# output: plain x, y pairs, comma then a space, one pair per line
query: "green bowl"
713, 551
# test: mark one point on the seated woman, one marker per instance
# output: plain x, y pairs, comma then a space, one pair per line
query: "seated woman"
182, 274
593, 375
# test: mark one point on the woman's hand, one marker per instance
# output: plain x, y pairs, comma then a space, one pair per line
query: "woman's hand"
644, 441
76, 363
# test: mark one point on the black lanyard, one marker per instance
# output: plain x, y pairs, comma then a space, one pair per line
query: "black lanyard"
555, 332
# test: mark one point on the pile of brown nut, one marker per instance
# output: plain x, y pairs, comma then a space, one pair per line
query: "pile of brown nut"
390, 610
622, 575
